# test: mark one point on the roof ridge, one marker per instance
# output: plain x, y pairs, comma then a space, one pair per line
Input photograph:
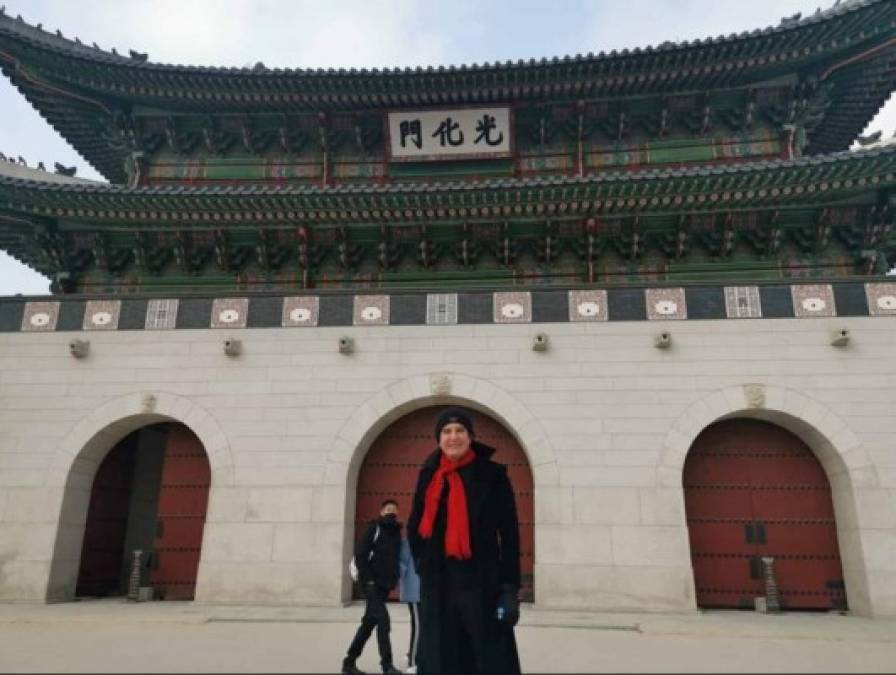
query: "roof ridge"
36, 32
19, 26
17, 167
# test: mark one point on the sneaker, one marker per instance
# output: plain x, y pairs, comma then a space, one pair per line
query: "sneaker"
390, 670
411, 669
349, 668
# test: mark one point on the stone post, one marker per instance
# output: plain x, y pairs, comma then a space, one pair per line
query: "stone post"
134, 579
772, 597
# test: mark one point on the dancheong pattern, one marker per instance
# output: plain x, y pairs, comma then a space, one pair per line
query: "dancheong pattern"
659, 304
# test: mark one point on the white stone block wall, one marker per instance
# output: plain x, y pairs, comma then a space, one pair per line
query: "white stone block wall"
604, 417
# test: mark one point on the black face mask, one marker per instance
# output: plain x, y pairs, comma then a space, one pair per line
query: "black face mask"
390, 518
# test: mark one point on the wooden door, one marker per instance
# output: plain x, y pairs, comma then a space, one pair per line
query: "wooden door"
390, 469
753, 489
183, 500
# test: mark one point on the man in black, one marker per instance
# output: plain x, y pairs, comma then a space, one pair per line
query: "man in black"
464, 536
377, 559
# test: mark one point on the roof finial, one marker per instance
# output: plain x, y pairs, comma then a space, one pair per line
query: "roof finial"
871, 138
138, 56
65, 170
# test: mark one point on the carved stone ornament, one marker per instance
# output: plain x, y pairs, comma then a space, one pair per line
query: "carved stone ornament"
148, 403
440, 384
755, 395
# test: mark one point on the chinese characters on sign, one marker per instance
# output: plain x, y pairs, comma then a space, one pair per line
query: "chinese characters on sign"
424, 135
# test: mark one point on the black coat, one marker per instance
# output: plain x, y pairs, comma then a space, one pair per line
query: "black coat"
382, 567
495, 543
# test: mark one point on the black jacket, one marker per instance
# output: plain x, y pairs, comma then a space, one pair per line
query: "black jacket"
382, 567
495, 564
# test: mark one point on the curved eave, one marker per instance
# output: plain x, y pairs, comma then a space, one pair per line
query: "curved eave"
686, 66
859, 92
13, 240
30, 207
75, 86
839, 28
75, 121
775, 184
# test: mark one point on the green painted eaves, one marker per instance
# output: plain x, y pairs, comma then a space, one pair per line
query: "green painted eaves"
770, 184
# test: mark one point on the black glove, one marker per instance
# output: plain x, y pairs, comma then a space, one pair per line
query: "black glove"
508, 609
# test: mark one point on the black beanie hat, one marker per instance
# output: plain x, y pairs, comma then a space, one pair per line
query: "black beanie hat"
456, 415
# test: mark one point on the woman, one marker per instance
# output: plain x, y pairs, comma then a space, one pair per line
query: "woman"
409, 593
464, 536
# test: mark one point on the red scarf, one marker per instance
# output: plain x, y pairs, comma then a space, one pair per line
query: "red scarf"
457, 531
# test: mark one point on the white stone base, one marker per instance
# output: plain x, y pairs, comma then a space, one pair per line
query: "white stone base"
605, 419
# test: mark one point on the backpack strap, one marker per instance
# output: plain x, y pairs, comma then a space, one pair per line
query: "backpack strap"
376, 535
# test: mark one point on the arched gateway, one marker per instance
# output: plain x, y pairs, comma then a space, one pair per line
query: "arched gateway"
391, 465
150, 493
753, 489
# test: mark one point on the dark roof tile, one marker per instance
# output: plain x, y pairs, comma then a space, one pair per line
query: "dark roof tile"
848, 118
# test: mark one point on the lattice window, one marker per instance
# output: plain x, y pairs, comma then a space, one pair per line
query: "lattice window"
441, 308
742, 302
161, 314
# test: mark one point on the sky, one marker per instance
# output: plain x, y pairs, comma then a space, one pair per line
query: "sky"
362, 33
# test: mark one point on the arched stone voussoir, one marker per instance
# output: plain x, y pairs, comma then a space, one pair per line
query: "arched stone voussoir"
91, 438
379, 405
837, 446
420, 385
375, 414
84, 431
400, 391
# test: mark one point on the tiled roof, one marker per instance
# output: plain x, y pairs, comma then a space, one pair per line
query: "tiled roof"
9, 169
815, 165
850, 46
38, 214
848, 11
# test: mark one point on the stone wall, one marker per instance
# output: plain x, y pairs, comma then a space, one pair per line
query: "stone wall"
605, 418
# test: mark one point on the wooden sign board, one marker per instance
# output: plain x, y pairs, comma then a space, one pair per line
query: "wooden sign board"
438, 135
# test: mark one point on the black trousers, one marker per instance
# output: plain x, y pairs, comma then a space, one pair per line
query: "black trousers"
375, 616
464, 632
